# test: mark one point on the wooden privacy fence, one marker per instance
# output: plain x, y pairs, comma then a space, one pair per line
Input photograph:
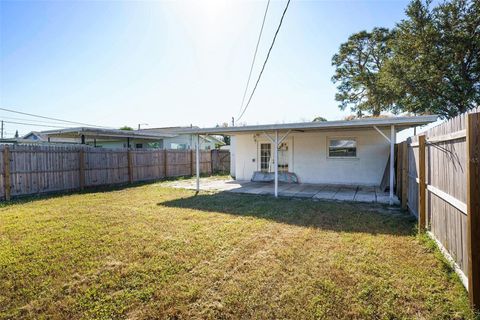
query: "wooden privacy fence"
438, 180
221, 161
29, 170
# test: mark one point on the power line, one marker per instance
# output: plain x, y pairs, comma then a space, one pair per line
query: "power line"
33, 125
254, 56
265, 63
35, 121
49, 118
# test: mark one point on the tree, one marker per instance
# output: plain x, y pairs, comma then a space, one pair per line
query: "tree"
321, 119
126, 128
357, 72
435, 66
16, 134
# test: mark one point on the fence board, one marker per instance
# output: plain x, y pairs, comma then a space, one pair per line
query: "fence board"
220, 161
446, 186
36, 169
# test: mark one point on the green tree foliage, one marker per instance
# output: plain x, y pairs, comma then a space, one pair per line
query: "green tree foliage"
357, 67
429, 63
126, 128
435, 63
319, 119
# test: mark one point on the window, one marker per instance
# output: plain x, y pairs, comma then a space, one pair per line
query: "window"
342, 148
178, 146
265, 155
138, 146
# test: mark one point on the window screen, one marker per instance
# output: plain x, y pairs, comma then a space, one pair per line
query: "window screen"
342, 148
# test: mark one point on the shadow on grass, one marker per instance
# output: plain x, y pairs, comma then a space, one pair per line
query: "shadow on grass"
328, 215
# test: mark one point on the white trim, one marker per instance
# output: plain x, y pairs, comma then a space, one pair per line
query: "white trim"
276, 163
284, 137
447, 256
367, 123
393, 138
268, 136
259, 155
383, 134
197, 162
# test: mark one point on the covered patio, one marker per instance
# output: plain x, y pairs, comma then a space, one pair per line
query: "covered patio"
326, 151
294, 190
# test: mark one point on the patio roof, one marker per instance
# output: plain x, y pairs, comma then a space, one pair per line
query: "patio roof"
399, 123
105, 133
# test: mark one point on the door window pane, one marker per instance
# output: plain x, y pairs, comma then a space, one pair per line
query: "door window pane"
283, 157
265, 156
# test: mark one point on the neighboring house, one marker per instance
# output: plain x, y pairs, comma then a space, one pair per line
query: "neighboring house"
352, 152
161, 138
185, 141
39, 136
96, 137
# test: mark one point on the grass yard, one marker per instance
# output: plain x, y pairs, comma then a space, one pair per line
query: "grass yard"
156, 252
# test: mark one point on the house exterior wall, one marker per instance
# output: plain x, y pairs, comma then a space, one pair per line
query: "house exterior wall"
308, 157
187, 140
232, 156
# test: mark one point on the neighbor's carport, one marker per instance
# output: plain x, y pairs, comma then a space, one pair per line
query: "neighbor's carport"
277, 133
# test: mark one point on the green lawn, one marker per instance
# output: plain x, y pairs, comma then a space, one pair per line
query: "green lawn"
156, 252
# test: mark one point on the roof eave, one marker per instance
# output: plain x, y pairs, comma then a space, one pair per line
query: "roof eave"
400, 122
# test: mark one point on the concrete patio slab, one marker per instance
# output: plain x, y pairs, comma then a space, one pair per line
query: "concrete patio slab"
297, 190
345, 194
327, 192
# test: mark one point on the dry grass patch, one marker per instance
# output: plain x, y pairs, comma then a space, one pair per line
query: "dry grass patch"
156, 252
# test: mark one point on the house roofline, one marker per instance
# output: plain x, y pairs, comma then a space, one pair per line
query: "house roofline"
399, 122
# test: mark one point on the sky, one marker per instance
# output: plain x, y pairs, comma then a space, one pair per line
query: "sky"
170, 63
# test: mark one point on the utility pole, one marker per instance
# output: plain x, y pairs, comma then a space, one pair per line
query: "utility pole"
2, 129
233, 122
142, 124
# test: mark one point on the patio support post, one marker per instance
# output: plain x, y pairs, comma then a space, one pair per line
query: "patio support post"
276, 163
197, 161
392, 161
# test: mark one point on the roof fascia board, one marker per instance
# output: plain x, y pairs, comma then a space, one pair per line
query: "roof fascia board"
400, 123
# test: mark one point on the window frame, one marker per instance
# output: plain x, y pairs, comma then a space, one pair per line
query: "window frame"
342, 157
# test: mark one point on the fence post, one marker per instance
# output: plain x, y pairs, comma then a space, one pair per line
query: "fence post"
405, 179
191, 162
473, 208
211, 160
165, 157
6, 173
130, 166
81, 166
421, 185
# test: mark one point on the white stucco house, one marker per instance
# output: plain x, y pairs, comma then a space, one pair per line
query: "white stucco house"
99, 137
353, 152
159, 138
